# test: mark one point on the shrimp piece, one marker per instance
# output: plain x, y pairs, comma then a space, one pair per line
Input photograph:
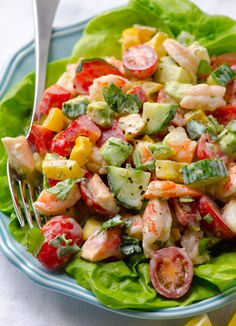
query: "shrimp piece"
96, 164
19, 154
157, 223
96, 89
48, 204
181, 55
169, 189
132, 124
67, 78
135, 227
184, 148
102, 244
190, 242
203, 97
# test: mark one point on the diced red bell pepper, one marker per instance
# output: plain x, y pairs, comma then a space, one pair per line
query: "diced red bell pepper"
41, 138
114, 131
139, 91
54, 96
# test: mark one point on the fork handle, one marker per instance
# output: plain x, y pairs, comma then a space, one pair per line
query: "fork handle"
44, 12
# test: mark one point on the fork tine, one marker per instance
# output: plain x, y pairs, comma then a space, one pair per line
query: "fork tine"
37, 217
14, 196
25, 205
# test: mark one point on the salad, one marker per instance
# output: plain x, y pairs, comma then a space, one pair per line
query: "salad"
137, 158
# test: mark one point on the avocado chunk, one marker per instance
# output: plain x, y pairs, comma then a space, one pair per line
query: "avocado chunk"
115, 151
204, 172
157, 116
100, 113
128, 186
160, 151
227, 142
176, 90
75, 107
169, 72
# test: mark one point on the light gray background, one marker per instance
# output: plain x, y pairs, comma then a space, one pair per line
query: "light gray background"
23, 303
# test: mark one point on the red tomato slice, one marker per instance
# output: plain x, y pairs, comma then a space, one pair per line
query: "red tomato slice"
114, 131
226, 114
54, 256
217, 226
63, 142
41, 138
140, 61
54, 96
186, 213
207, 149
229, 58
88, 70
171, 272
139, 91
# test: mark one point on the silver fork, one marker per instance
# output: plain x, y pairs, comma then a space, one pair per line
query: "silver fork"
23, 192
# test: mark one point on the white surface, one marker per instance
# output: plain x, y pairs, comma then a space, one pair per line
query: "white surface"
22, 302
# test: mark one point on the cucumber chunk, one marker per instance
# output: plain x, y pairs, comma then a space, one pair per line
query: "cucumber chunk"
222, 75
157, 116
176, 90
115, 151
128, 186
204, 172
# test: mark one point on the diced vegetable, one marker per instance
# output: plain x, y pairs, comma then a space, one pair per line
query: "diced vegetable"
100, 113
81, 151
222, 75
169, 170
55, 120
54, 96
139, 91
185, 38
169, 72
130, 37
62, 169
41, 138
90, 227
90, 69
204, 172
116, 151
157, 116
227, 142
195, 129
204, 68
156, 43
75, 107
128, 186
161, 152
114, 131
197, 115
132, 124
176, 89
145, 32
142, 156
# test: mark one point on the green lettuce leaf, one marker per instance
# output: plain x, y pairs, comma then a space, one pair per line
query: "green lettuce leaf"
123, 284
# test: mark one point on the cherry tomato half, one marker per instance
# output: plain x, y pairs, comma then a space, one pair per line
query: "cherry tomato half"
41, 138
140, 61
186, 213
54, 96
207, 149
114, 131
88, 70
229, 58
217, 225
171, 272
62, 235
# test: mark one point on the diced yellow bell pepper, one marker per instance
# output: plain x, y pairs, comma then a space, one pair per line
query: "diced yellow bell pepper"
38, 161
232, 321
197, 115
157, 41
145, 32
202, 320
62, 169
148, 138
169, 170
130, 37
55, 120
81, 151
90, 226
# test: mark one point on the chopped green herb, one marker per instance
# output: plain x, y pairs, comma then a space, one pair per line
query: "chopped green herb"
186, 200
120, 102
62, 188
130, 245
202, 246
64, 245
113, 222
208, 218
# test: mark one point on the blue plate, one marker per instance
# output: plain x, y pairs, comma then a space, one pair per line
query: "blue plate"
21, 63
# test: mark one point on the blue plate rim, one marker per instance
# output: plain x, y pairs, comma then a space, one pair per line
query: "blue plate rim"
21, 261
